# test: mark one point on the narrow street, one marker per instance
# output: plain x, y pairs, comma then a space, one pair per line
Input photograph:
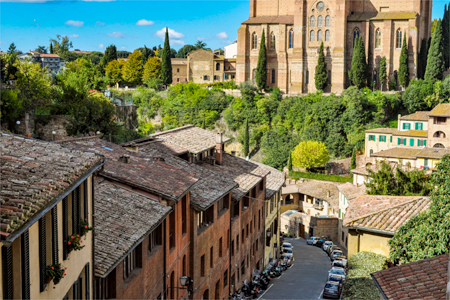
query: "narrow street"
306, 278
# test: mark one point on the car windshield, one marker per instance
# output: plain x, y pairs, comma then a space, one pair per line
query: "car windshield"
287, 245
336, 278
338, 263
337, 253
328, 243
331, 286
338, 271
287, 251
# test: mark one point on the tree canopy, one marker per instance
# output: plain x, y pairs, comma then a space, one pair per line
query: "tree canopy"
403, 69
358, 71
321, 76
261, 67
310, 154
435, 61
132, 70
166, 63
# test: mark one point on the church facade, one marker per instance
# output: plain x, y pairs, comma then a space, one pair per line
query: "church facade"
294, 30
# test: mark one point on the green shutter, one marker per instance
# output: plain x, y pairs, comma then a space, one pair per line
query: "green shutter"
391, 138
425, 162
411, 142
404, 126
398, 141
418, 142
425, 143
421, 126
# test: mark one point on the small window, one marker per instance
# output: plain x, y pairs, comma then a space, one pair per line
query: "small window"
319, 35
202, 266
355, 35
272, 41
312, 36
211, 257
327, 21
254, 41
178, 79
273, 75
291, 39
319, 21
307, 77
217, 66
378, 38
312, 22
205, 77
129, 264
398, 43
178, 70
327, 35
225, 278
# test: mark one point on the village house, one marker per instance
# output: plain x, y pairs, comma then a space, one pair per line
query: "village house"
52, 62
371, 221
46, 204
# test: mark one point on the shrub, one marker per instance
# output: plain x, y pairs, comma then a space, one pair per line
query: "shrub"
317, 176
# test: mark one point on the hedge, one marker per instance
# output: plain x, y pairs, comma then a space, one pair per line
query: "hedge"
336, 178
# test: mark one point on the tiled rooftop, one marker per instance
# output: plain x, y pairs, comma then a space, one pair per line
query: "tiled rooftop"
211, 186
351, 191
33, 173
433, 152
423, 279
274, 181
179, 61
395, 15
245, 173
419, 133
122, 219
441, 110
398, 152
388, 218
290, 189
417, 116
382, 130
270, 20
163, 147
319, 189
374, 167
148, 173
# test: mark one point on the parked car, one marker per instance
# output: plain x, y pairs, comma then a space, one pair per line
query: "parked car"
342, 258
338, 263
332, 248
335, 254
326, 244
288, 252
337, 271
289, 259
286, 246
311, 240
336, 278
332, 289
319, 242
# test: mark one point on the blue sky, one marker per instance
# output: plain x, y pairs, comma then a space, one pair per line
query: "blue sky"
93, 25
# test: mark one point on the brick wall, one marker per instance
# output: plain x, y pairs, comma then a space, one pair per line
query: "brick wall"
325, 226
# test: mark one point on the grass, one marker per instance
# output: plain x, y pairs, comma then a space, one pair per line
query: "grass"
336, 178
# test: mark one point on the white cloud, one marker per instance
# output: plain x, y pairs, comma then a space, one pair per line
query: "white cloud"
177, 42
73, 36
144, 22
101, 46
100, 23
117, 34
74, 23
227, 42
123, 48
2, 42
172, 34
222, 35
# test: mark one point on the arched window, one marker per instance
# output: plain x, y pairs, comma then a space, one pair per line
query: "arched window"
327, 21
355, 35
378, 38
273, 75
272, 41
291, 39
439, 134
319, 35
254, 40
319, 21
398, 43
438, 145
312, 35
327, 35
217, 66
312, 22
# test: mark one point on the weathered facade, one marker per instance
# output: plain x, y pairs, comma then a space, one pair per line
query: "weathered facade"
294, 31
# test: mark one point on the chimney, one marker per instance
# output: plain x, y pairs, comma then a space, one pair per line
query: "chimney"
328, 194
219, 148
124, 159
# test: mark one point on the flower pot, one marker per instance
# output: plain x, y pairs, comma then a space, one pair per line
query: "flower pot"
49, 278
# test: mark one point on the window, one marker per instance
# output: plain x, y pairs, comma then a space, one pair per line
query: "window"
291, 39
222, 204
355, 35
406, 126
254, 41
220, 247
243, 235
246, 202
319, 21
371, 137
243, 267
155, 238
398, 43
205, 217
312, 36
205, 77
273, 76
307, 77
211, 257
129, 263
312, 22
327, 35
202, 266
425, 162
217, 66
178, 79
246, 232
319, 35
342, 236
232, 248
183, 215
402, 141
172, 285
439, 134
178, 70
184, 265
237, 243
236, 209
172, 230
327, 21
378, 38
225, 278
272, 41
217, 290
411, 142
419, 126
421, 143
440, 120
382, 138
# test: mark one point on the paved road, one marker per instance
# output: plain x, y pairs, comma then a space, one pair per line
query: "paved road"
306, 278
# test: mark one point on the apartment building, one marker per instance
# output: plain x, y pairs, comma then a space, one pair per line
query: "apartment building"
52, 62
46, 204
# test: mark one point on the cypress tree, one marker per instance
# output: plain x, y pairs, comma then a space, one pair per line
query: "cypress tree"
383, 74
321, 77
290, 161
246, 139
353, 161
261, 68
422, 61
145, 55
435, 61
446, 36
358, 71
51, 48
403, 69
166, 63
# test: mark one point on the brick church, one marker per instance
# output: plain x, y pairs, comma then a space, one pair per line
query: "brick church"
294, 30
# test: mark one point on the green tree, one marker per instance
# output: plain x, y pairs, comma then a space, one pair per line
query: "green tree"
358, 72
11, 58
132, 70
415, 93
383, 74
61, 46
50, 49
246, 144
353, 161
261, 67
145, 55
183, 52
290, 162
41, 49
200, 45
446, 35
152, 70
321, 76
11, 106
310, 154
433, 26
166, 63
110, 54
435, 61
403, 69
113, 71
422, 61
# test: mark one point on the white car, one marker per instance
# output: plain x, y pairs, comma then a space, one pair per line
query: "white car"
312, 240
337, 271
288, 252
286, 246
326, 245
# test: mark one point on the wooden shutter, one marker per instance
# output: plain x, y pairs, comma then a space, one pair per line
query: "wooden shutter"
7, 272
425, 143
65, 226
399, 141
391, 139
42, 254
55, 241
86, 199
411, 142
88, 284
25, 251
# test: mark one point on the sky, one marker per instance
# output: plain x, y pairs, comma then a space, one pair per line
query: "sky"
95, 24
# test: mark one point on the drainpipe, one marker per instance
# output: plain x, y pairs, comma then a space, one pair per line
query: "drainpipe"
164, 259
359, 239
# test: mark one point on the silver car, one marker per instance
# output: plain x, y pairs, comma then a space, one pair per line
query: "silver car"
337, 271
312, 240
326, 245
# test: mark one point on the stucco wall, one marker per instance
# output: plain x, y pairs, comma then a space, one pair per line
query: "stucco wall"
368, 241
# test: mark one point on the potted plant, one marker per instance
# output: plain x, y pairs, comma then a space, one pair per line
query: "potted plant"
55, 272
84, 227
74, 242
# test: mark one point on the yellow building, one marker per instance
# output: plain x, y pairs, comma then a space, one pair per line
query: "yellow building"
46, 200
371, 221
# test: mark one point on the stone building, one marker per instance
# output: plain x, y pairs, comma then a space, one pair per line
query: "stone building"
47, 195
294, 31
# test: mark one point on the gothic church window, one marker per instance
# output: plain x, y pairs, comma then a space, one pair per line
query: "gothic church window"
272, 41
355, 35
327, 21
312, 36
291, 39
319, 21
378, 38
254, 40
398, 44
319, 35
327, 35
273, 75
312, 22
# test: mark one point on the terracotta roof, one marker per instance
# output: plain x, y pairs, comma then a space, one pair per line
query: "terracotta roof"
163, 147
441, 110
437, 153
395, 15
351, 191
290, 189
319, 190
374, 167
274, 181
194, 139
382, 130
147, 173
407, 153
390, 217
48, 55
81, 52
270, 20
211, 186
414, 133
245, 173
122, 219
33, 174
423, 279
417, 116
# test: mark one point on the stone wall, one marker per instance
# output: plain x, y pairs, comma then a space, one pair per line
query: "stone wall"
325, 226
128, 115
45, 125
